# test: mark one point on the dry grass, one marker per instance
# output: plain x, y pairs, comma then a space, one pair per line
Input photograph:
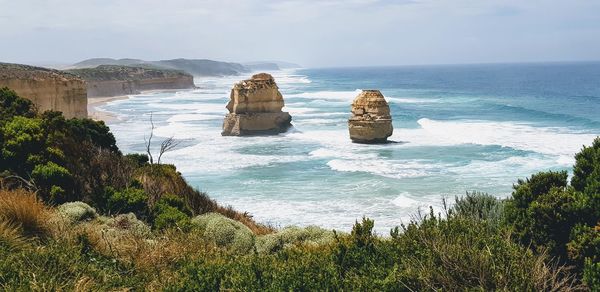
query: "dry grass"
11, 235
23, 210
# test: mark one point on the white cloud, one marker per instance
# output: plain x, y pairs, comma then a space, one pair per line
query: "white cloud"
315, 33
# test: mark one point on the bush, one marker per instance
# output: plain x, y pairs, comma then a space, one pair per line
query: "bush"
76, 212
23, 145
130, 223
138, 159
12, 105
585, 243
542, 212
175, 202
586, 172
170, 217
479, 206
225, 232
311, 235
460, 253
54, 181
171, 211
126, 201
591, 275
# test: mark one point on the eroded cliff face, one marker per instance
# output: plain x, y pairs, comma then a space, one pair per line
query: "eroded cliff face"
125, 87
371, 121
111, 80
47, 89
255, 108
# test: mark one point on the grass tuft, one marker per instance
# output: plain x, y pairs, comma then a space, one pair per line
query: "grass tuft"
23, 210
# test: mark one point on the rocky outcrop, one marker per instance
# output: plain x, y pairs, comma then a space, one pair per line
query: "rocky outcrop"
113, 80
371, 121
255, 108
48, 89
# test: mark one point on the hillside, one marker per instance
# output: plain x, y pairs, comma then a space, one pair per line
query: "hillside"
78, 215
114, 80
196, 67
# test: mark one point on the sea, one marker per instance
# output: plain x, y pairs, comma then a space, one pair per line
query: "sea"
457, 128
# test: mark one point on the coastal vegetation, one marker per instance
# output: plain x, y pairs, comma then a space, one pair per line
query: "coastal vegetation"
77, 214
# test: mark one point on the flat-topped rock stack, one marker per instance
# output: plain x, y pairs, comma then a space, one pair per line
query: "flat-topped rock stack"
371, 121
255, 108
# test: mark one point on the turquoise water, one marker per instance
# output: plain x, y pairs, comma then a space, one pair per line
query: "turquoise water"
460, 128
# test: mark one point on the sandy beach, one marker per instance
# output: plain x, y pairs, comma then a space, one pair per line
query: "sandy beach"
95, 102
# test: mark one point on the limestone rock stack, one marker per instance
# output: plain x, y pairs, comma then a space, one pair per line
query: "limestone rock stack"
371, 121
255, 108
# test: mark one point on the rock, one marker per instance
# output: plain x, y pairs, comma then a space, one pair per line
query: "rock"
255, 108
48, 89
371, 121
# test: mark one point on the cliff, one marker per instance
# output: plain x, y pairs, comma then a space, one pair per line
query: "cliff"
196, 67
48, 89
255, 108
114, 80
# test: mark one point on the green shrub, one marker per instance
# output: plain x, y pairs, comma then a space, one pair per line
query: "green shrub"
542, 212
174, 201
77, 211
585, 243
480, 206
312, 235
126, 201
591, 274
586, 172
54, 181
460, 253
23, 143
170, 212
138, 159
225, 232
12, 105
171, 217
128, 222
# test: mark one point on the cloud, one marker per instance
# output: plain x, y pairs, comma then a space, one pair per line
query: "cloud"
314, 33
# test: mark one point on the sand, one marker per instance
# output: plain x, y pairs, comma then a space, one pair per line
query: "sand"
99, 115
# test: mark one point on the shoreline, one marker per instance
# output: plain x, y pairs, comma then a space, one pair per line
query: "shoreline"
101, 115
97, 114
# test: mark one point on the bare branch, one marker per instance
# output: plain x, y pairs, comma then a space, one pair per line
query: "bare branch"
149, 141
166, 146
29, 184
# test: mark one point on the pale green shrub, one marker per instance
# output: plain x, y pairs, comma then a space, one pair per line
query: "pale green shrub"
77, 211
311, 235
128, 222
225, 232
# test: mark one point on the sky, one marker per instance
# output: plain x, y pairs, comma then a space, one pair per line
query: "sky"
325, 33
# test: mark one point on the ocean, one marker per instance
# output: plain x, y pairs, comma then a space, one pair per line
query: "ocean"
459, 128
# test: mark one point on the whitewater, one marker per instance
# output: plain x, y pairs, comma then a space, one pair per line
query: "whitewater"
457, 128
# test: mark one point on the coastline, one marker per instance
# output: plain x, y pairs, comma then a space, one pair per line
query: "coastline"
97, 114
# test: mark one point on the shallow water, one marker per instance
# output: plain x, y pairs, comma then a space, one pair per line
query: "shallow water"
461, 128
